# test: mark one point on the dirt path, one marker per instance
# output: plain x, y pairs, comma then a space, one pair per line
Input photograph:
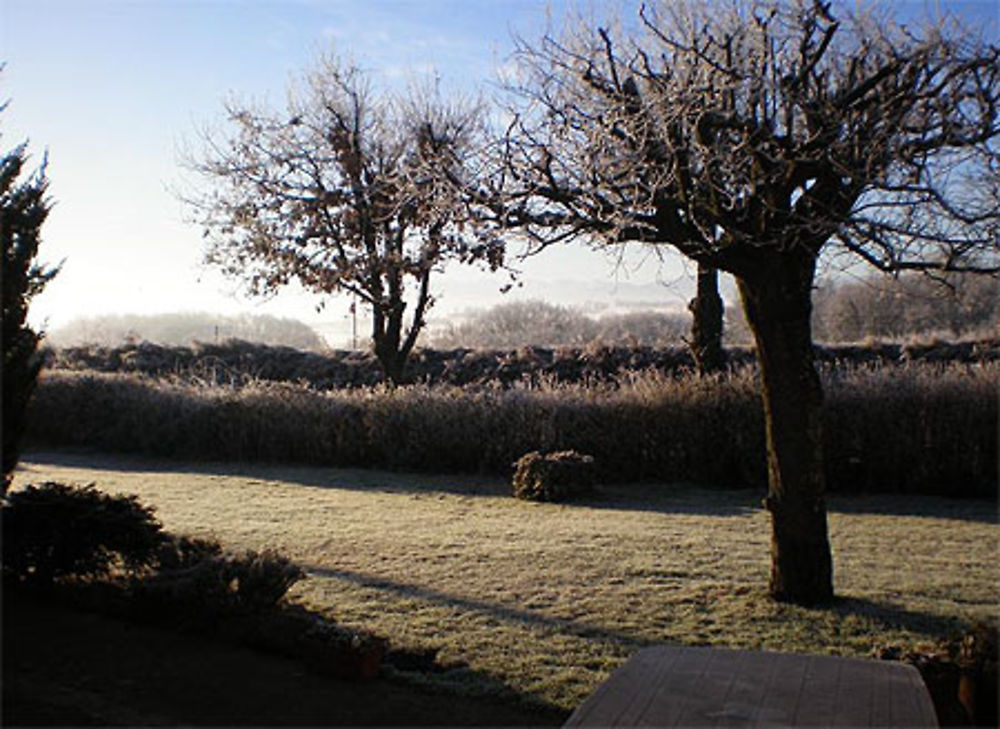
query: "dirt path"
65, 667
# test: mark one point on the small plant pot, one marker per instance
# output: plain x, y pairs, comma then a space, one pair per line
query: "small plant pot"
346, 661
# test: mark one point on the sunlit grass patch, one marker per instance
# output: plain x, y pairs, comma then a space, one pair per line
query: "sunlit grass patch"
547, 599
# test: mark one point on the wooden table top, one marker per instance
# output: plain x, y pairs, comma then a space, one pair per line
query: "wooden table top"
681, 686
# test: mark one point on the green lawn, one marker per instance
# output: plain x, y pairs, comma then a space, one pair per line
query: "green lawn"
547, 600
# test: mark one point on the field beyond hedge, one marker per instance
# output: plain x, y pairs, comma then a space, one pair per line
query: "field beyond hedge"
236, 361
545, 600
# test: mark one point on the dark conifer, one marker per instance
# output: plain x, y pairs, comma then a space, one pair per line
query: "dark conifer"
24, 206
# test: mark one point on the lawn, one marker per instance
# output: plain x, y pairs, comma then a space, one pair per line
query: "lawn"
545, 600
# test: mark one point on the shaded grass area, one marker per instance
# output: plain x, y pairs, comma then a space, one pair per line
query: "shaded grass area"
70, 668
545, 600
918, 428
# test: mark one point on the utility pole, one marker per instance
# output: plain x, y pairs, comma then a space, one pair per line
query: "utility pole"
354, 323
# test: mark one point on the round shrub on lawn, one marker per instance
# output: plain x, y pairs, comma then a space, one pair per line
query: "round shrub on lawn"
553, 476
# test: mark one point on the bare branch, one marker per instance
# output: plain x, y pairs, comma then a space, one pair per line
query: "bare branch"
766, 129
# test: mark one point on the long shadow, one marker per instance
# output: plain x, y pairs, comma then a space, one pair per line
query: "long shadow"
660, 498
314, 476
913, 621
983, 511
503, 612
651, 497
673, 499
894, 616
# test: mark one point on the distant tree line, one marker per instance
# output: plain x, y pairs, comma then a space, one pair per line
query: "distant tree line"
539, 323
844, 311
894, 308
183, 328
951, 307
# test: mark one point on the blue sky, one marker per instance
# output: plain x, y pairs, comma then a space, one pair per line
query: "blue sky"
113, 88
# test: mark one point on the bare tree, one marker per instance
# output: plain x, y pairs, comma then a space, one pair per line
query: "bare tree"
346, 191
753, 137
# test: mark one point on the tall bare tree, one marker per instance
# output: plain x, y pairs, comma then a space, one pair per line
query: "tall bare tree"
752, 137
348, 191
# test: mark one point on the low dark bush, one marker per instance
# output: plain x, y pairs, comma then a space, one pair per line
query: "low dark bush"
258, 580
553, 476
55, 530
978, 687
183, 552
131, 568
198, 584
330, 650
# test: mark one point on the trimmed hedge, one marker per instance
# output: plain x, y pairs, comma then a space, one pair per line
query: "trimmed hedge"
913, 428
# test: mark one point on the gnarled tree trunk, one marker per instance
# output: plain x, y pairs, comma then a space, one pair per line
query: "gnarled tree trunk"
777, 300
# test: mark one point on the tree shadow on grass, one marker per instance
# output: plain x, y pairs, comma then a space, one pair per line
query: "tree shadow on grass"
913, 621
315, 476
527, 618
665, 498
932, 625
983, 511
651, 497
680, 498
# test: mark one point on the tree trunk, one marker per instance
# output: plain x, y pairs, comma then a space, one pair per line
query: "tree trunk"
393, 365
706, 326
387, 325
391, 348
778, 302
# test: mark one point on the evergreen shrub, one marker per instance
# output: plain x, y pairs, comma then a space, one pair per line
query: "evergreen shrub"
198, 584
55, 530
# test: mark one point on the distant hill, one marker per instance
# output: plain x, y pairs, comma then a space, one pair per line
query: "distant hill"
184, 328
